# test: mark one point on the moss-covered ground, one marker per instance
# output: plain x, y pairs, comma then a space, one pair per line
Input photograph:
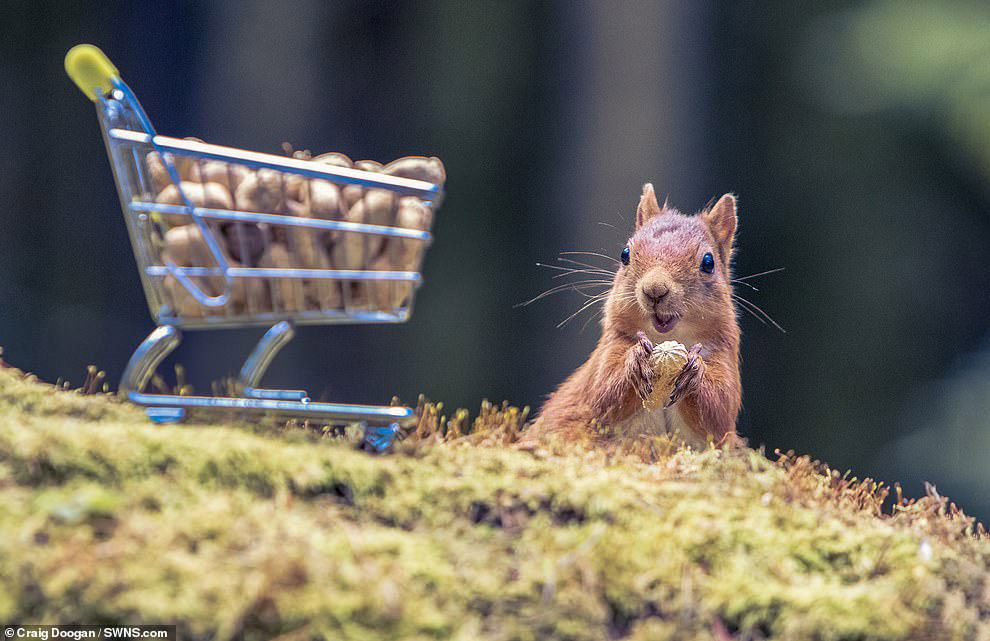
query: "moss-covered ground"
235, 531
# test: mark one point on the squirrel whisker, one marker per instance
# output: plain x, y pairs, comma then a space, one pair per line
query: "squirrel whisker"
587, 305
582, 271
614, 260
572, 270
744, 283
748, 310
769, 271
601, 310
576, 286
585, 265
749, 306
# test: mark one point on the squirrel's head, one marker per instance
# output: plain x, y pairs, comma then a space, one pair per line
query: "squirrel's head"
675, 269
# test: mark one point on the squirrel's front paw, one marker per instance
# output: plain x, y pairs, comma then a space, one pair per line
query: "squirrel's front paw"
666, 361
689, 377
639, 369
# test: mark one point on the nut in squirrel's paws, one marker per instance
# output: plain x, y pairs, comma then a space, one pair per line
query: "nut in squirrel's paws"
668, 359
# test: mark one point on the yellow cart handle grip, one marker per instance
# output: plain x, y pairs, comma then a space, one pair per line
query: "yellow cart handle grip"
91, 70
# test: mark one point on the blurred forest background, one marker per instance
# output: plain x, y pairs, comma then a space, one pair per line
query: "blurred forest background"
856, 134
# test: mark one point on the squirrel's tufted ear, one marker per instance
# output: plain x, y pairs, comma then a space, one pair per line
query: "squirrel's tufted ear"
648, 206
721, 220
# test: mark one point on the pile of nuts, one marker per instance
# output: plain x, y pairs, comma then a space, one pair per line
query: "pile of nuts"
220, 185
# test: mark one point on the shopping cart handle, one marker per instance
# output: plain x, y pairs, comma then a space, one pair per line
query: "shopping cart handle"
91, 70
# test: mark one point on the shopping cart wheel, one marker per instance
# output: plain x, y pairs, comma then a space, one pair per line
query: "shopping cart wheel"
165, 415
379, 438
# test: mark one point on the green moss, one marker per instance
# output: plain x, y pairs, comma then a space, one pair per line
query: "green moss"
273, 530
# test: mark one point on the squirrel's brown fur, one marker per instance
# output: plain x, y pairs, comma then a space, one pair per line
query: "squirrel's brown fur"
662, 294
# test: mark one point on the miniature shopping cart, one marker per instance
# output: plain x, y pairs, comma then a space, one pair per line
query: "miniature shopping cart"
213, 263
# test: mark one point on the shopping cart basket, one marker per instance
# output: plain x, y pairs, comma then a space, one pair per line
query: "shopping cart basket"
218, 261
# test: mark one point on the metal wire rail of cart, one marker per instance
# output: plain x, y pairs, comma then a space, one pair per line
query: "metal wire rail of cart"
212, 290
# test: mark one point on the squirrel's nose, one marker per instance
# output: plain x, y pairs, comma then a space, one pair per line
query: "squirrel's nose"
655, 292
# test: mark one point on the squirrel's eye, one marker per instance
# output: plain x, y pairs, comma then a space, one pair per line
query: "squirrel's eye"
625, 255
707, 263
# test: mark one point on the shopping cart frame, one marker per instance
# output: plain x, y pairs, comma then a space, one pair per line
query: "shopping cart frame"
127, 129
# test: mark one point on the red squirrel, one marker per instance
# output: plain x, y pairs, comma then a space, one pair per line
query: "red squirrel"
673, 282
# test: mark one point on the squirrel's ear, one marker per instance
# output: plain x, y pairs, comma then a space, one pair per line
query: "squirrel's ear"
722, 220
648, 206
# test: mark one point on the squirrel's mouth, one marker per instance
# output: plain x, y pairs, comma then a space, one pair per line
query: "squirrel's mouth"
663, 323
